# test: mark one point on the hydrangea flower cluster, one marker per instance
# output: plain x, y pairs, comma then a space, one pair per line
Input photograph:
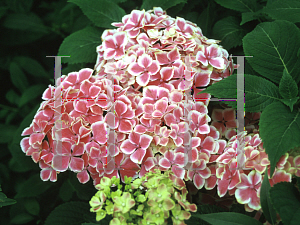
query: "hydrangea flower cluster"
143, 70
155, 197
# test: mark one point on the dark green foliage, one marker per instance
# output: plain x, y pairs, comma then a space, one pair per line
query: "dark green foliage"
34, 29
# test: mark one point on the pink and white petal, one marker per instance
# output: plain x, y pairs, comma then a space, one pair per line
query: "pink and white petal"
179, 159
120, 108
254, 177
100, 132
167, 73
120, 38
145, 141
84, 74
76, 164
218, 62
243, 196
143, 79
127, 147
202, 58
202, 79
153, 68
222, 187
94, 91
145, 61
162, 58
125, 126
25, 144
163, 162
174, 55
78, 150
83, 176
53, 176
109, 43
178, 171
81, 106
133, 33
204, 129
36, 138
109, 53
60, 163
210, 182
205, 173
138, 155
235, 180
198, 181
214, 51
45, 174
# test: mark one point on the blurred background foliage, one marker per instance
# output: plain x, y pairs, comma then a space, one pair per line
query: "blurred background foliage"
34, 29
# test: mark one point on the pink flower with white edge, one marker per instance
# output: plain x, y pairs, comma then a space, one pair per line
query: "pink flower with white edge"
228, 177
47, 172
174, 160
136, 146
162, 135
223, 119
66, 158
114, 45
211, 55
198, 122
248, 190
122, 119
279, 176
143, 69
198, 172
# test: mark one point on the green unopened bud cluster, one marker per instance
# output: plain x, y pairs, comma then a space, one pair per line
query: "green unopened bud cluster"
145, 201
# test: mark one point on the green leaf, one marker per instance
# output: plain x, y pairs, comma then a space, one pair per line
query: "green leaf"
19, 6
249, 16
286, 200
22, 218
238, 5
32, 206
164, 4
265, 201
81, 46
278, 128
18, 77
66, 191
101, 12
29, 22
225, 88
229, 31
29, 190
290, 102
284, 10
7, 133
69, 213
228, 218
274, 47
12, 97
31, 66
3, 11
287, 86
259, 93
4, 201
32, 93
206, 19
